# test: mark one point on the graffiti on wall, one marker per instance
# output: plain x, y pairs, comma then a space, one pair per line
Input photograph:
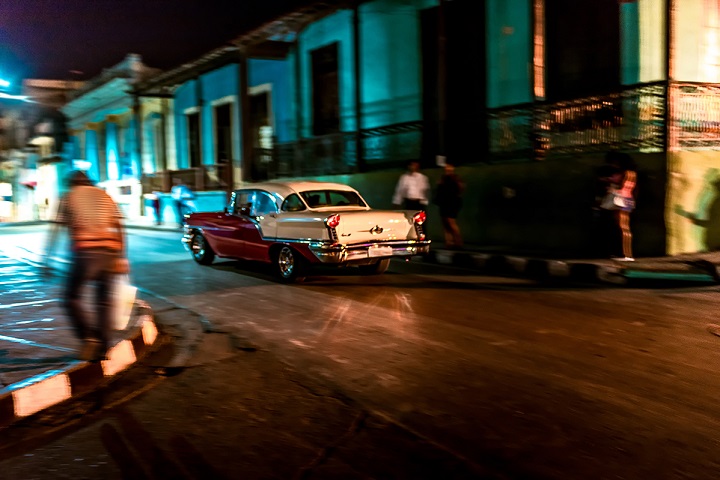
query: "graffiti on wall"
693, 206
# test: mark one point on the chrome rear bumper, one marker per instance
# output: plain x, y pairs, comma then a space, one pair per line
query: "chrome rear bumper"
363, 253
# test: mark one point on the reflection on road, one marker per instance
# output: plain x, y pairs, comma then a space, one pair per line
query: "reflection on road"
31, 315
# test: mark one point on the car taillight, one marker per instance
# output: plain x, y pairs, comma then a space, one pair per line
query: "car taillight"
332, 221
419, 218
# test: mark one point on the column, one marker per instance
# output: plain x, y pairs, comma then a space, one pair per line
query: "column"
137, 117
112, 147
245, 124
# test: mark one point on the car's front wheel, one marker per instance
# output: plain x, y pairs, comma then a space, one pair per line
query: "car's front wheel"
376, 268
289, 265
201, 251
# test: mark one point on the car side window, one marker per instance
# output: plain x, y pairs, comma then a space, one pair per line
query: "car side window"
332, 198
242, 204
262, 204
293, 204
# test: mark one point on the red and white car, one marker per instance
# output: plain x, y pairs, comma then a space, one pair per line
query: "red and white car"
295, 225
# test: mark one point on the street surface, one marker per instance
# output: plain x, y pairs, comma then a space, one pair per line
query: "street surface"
466, 376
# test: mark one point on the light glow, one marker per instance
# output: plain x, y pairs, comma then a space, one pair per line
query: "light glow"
23, 98
711, 53
651, 25
539, 49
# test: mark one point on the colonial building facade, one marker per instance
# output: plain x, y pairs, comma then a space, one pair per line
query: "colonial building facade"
525, 97
104, 123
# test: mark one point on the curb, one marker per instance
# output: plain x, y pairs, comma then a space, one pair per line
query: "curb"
161, 228
562, 270
23, 224
33, 395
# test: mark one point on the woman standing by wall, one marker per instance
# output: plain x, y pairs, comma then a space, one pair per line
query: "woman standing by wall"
622, 190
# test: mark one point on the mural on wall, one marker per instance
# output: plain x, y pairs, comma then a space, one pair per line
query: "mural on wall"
693, 206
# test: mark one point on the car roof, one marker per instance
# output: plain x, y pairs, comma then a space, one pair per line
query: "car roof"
286, 188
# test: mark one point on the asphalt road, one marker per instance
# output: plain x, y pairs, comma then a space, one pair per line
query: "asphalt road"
484, 376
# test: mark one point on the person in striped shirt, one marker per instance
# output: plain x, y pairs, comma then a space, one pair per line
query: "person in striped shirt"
97, 242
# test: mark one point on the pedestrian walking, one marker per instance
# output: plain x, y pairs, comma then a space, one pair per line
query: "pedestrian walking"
448, 198
157, 208
620, 198
98, 252
153, 200
183, 196
411, 191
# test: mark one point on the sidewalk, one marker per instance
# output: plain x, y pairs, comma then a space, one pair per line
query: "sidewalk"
695, 268
38, 350
699, 268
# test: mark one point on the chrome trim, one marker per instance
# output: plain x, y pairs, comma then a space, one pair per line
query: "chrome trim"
286, 262
294, 240
332, 252
336, 253
187, 236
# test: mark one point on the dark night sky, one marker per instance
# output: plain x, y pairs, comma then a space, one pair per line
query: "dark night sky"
48, 38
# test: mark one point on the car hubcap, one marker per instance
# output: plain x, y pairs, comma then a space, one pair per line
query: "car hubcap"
286, 262
198, 246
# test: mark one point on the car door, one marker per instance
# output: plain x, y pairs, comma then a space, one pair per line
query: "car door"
260, 230
232, 225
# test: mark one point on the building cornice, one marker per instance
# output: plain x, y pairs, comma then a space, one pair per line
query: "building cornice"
271, 40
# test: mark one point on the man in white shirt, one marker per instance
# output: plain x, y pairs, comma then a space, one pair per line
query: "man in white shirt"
412, 189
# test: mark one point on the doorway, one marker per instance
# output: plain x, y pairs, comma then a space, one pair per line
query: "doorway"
223, 133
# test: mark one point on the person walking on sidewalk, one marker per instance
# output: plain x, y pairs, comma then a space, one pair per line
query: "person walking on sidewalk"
448, 198
411, 191
183, 197
153, 200
97, 242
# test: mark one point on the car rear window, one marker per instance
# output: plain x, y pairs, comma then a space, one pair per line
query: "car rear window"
332, 198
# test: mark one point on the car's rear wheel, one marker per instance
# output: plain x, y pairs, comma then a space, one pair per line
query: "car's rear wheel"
289, 265
376, 268
201, 251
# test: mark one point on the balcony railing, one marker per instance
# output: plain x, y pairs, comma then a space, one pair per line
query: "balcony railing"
333, 154
695, 109
324, 155
631, 119
392, 144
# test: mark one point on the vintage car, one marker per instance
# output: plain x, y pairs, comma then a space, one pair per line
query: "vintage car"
296, 225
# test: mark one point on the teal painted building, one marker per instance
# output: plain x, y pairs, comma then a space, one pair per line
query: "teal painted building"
525, 96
